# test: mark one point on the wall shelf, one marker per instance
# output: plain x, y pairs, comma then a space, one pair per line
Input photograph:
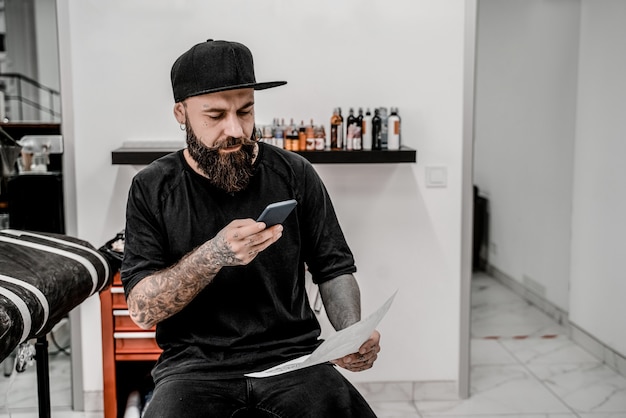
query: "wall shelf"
141, 155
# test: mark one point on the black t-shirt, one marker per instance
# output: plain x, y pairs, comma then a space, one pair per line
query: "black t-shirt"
249, 317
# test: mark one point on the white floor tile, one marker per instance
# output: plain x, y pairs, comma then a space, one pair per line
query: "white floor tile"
20, 391
395, 410
497, 312
585, 387
509, 416
513, 320
500, 390
386, 392
490, 352
556, 350
487, 292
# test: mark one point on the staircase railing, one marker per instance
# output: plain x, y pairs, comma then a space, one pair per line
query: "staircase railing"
16, 80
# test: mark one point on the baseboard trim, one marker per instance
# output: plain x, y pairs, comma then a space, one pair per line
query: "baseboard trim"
559, 315
93, 401
598, 349
595, 347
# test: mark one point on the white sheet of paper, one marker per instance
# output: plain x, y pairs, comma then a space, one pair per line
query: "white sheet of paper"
339, 344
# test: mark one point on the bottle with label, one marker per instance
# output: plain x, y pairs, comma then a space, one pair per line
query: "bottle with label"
293, 141
341, 132
351, 125
384, 127
358, 140
320, 138
393, 133
376, 131
336, 130
290, 127
268, 135
302, 136
366, 130
279, 134
310, 137
328, 139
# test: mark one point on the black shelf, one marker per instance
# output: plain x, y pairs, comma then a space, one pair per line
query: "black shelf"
145, 155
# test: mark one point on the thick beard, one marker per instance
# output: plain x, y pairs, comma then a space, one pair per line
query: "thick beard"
229, 171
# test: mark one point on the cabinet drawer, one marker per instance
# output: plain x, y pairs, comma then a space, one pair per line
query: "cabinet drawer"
135, 342
118, 298
123, 322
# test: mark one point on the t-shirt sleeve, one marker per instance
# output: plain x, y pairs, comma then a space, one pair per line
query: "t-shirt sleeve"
144, 244
326, 251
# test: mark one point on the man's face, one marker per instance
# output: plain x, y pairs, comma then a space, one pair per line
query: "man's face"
219, 130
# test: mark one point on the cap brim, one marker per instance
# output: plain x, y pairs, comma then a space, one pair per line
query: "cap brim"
269, 85
255, 86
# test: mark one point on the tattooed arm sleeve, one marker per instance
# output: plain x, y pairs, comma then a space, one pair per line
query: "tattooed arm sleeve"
342, 301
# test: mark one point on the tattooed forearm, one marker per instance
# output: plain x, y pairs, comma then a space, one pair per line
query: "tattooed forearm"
222, 252
342, 301
165, 293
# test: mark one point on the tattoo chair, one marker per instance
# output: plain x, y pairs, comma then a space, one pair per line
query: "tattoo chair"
43, 276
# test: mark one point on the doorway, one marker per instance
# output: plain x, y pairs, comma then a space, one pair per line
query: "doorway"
524, 130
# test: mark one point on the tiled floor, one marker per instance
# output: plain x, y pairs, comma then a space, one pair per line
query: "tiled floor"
523, 366
533, 352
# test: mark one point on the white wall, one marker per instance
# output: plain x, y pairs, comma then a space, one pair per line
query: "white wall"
404, 53
598, 282
527, 56
550, 127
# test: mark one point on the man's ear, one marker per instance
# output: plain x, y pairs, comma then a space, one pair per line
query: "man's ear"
179, 112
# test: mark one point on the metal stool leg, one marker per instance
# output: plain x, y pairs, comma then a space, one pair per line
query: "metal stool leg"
8, 364
43, 377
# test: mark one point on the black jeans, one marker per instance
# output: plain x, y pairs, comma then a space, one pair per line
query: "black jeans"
314, 392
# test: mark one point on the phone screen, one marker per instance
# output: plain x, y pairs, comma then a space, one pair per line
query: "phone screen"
276, 213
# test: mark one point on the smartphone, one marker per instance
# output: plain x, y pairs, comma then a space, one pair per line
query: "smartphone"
276, 213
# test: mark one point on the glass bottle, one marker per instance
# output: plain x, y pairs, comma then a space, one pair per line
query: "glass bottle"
376, 131
351, 124
336, 130
384, 130
393, 132
358, 132
366, 130
302, 136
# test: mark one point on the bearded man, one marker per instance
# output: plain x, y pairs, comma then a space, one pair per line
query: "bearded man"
227, 293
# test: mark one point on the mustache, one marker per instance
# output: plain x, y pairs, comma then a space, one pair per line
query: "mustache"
231, 142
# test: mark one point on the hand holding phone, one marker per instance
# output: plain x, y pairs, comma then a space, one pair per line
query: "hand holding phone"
276, 213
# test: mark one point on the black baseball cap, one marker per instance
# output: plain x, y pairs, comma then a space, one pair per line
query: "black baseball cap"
213, 66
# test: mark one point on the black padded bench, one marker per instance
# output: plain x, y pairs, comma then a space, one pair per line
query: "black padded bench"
43, 277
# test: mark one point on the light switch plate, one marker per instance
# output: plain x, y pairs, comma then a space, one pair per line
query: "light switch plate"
436, 177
